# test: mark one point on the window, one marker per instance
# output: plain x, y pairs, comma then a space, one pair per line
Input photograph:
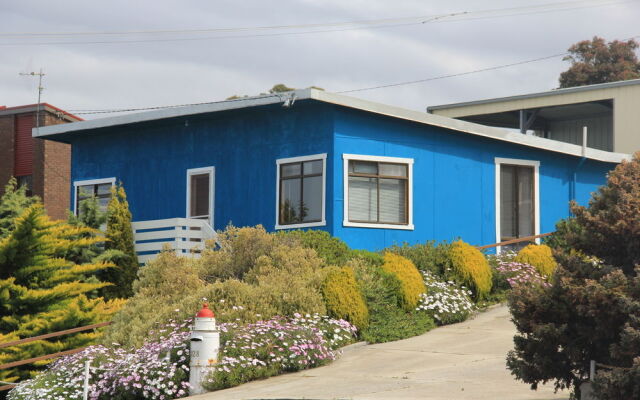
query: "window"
98, 188
200, 186
517, 199
26, 180
378, 192
300, 192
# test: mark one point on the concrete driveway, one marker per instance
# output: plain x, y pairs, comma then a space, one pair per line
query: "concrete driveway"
462, 361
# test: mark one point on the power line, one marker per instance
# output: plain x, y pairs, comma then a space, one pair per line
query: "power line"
341, 26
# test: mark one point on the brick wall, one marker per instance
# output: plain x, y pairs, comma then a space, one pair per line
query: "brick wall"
57, 173
7, 137
51, 165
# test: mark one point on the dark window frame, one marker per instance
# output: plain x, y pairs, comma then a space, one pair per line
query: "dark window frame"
301, 176
378, 177
94, 194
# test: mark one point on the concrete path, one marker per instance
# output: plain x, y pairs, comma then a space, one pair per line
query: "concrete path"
462, 361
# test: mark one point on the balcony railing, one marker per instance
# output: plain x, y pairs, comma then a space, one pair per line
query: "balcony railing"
185, 236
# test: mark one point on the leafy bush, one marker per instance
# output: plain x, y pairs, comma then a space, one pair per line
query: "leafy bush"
445, 301
540, 257
159, 369
331, 249
237, 252
168, 288
269, 348
367, 257
343, 297
411, 284
469, 267
382, 292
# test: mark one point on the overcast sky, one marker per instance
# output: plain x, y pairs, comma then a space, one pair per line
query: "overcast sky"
212, 67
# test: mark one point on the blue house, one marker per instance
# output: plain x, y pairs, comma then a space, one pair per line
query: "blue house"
371, 174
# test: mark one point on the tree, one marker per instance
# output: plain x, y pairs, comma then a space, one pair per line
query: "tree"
277, 88
591, 310
41, 291
119, 238
596, 61
12, 203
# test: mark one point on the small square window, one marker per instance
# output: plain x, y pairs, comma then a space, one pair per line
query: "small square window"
300, 196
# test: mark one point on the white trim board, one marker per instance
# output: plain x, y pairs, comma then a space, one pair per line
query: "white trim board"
280, 161
345, 101
536, 193
345, 179
87, 182
212, 181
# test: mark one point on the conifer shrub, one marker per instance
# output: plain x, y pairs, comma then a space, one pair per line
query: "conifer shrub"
343, 297
411, 283
425, 256
120, 238
331, 249
12, 204
41, 291
470, 268
539, 256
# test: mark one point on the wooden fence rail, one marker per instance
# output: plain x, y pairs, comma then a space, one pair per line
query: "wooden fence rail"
512, 241
46, 356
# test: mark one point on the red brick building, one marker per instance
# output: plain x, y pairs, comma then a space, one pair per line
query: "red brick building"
42, 165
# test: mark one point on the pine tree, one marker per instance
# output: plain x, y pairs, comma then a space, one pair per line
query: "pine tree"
120, 238
41, 291
12, 203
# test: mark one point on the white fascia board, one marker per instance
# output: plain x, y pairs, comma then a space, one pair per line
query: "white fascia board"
468, 127
170, 113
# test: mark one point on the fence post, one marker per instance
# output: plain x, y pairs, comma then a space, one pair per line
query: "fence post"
85, 391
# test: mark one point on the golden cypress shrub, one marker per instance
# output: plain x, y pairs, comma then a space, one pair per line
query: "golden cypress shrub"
343, 296
539, 256
411, 283
471, 268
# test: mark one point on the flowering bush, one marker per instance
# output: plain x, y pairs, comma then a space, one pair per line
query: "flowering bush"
157, 370
518, 274
278, 345
447, 302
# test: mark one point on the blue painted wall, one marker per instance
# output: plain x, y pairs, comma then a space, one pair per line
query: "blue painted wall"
454, 179
454, 173
152, 159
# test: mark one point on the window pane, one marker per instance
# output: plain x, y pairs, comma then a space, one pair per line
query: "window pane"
393, 201
85, 192
313, 167
393, 170
199, 195
312, 199
363, 199
363, 167
290, 170
525, 202
290, 201
103, 202
508, 202
104, 188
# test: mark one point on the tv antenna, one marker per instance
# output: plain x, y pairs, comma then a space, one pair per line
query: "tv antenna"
40, 89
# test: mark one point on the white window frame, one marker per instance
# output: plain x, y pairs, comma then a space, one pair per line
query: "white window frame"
88, 182
345, 177
212, 180
314, 157
536, 193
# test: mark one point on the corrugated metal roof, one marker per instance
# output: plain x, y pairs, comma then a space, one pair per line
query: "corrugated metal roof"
50, 132
554, 92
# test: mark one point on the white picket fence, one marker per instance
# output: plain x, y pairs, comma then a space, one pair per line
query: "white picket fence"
185, 236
